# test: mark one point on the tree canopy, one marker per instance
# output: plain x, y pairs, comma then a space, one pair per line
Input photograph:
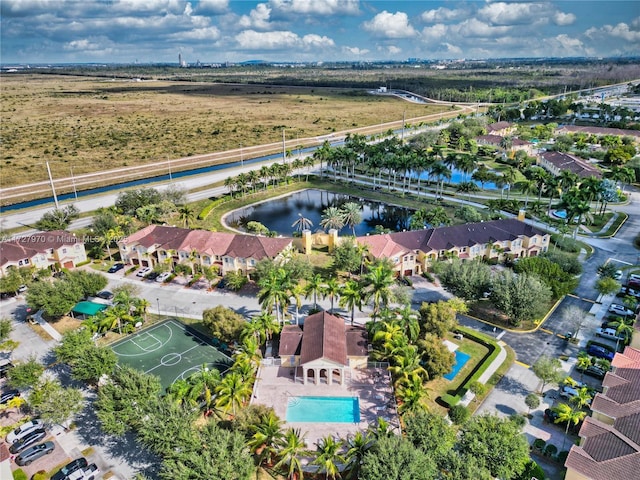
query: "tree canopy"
223, 323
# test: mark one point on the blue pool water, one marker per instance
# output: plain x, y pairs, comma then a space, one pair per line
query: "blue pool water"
323, 409
461, 359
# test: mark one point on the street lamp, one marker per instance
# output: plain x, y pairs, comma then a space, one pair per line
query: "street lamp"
158, 300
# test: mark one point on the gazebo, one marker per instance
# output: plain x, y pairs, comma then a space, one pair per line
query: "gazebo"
87, 309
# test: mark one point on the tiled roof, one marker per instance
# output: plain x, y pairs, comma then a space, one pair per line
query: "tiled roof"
29, 245
212, 243
498, 126
612, 452
564, 161
356, 341
323, 338
290, 340
489, 139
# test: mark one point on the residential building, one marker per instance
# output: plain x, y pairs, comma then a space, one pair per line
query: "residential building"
411, 252
54, 250
497, 142
609, 446
156, 244
324, 348
556, 162
501, 129
618, 132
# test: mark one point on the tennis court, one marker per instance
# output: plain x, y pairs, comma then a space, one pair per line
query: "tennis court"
170, 350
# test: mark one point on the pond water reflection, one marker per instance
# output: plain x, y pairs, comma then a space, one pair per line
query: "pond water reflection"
279, 214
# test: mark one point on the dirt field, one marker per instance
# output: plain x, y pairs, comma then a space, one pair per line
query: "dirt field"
91, 125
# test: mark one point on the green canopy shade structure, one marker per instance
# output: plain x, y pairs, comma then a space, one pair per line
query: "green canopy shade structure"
87, 308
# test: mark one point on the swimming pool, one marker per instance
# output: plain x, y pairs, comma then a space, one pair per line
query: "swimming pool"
323, 409
461, 359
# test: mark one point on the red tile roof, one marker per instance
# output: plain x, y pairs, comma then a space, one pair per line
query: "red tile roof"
290, 340
498, 126
28, 246
599, 130
564, 161
323, 338
612, 452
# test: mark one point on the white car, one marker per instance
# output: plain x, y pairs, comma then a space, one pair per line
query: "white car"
163, 276
620, 309
609, 333
23, 430
617, 275
143, 271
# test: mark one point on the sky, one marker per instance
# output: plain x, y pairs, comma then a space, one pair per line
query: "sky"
215, 31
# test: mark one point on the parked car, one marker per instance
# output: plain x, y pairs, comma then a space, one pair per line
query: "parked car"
23, 430
105, 295
28, 440
624, 291
551, 416
617, 275
152, 275
600, 352
620, 309
91, 472
568, 392
143, 271
69, 468
22, 288
115, 267
5, 366
609, 333
32, 454
593, 371
8, 395
163, 276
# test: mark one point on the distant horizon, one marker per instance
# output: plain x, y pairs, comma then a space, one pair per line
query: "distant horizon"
304, 31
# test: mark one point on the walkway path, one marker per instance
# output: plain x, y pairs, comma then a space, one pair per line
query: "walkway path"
53, 333
488, 373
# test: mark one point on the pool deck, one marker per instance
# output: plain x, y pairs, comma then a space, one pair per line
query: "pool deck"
275, 385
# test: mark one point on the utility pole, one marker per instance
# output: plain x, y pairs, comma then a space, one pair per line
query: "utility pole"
73, 181
284, 152
53, 190
402, 135
169, 162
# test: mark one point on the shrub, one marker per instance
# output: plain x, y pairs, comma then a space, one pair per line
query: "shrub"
204, 213
459, 414
19, 474
539, 444
449, 400
41, 475
532, 470
428, 276
550, 450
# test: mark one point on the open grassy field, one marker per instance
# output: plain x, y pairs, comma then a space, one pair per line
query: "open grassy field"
93, 124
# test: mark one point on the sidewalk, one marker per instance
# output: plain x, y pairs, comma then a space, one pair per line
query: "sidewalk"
488, 373
53, 333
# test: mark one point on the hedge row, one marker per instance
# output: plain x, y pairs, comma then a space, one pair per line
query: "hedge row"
451, 400
214, 203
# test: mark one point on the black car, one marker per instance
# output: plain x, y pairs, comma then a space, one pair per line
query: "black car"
551, 416
5, 366
594, 371
115, 267
69, 468
152, 275
8, 395
105, 295
27, 440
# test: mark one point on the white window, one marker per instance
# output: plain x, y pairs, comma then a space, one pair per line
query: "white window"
395, 259
252, 262
64, 250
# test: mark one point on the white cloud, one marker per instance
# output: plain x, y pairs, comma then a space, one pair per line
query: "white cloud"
257, 18
390, 49
442, 15
435, 32
317, 7
390, 25
501, 13
355, 50
208, 33
316, 41
475, 28
82, 45
452, 50
619, 31
562, 19
212, 6
278, 40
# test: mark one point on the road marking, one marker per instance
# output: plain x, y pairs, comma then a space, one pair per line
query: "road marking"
546, 331
522, 364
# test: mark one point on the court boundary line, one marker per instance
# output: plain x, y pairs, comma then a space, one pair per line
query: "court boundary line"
124, 341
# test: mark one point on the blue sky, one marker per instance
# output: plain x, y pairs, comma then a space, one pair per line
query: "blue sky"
55, 31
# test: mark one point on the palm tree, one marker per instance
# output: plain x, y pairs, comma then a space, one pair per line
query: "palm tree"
380, 429
351, 215
583, 362
570, 415
267, 438
527, 187
379, 282
328, 457
359, 444
179, 392
111, 235
624, 330
268, 325
203, 383
296, 293
509, 177
293, 448
440, 172
351, 297
187, 215
314, 287
407, 366
332, 218
331, 289
583, 398
232, 393
302, 223
411, 395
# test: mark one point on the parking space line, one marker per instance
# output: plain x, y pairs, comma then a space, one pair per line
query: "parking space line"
546, 331
522, 364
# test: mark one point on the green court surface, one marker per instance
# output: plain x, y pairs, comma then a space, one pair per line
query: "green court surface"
169, 350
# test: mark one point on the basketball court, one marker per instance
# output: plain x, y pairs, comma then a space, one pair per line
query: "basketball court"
169, 350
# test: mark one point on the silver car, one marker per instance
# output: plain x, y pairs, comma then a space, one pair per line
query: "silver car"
32, 454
